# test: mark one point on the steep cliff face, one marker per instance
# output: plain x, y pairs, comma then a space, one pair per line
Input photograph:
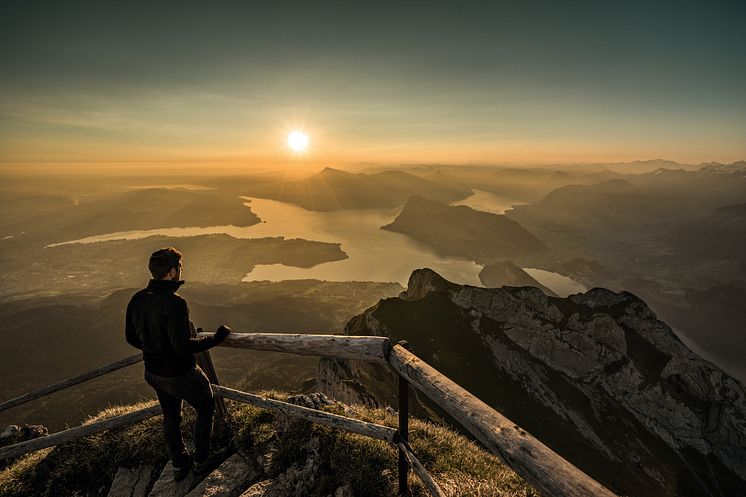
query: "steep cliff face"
595, 376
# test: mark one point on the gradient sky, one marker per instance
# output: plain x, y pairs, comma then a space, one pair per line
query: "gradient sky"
378, 82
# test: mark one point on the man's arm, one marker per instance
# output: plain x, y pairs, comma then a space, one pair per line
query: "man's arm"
129, 329
179, 332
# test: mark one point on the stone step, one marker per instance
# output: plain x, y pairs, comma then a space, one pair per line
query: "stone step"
131, 482
167, 487
228, 480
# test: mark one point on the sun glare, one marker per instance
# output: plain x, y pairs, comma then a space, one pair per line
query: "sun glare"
298, 141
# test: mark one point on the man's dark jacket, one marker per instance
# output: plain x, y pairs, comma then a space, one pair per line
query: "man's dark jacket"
158, 323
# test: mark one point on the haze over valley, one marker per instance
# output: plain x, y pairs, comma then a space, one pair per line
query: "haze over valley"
648, 233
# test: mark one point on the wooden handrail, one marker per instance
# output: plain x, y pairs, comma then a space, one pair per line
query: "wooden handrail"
420, 470
540, 466
78, 432
372, 430
123, 363
364, 348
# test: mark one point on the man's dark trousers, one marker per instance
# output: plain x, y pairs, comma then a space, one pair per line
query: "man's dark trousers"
193, 387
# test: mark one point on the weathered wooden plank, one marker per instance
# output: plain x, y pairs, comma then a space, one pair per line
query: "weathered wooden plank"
373, 349
403, 433
420, 470
543, 468
123, 363
78, 432
326, 418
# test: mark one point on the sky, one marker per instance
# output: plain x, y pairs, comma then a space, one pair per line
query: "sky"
409, 82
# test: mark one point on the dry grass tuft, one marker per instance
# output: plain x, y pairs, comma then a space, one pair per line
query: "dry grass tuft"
87, 467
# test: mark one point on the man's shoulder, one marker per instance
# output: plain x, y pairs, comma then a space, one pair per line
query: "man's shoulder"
176, 301
138, 295
164, 298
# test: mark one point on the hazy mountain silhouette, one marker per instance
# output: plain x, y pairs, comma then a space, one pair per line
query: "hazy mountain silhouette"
720, 234
610, 206
462, 231
661, 220
334, 189
141, 209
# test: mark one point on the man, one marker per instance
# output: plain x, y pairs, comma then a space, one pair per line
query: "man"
158, 323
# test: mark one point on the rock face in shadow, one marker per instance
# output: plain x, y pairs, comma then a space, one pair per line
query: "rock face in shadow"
595, 376
461, 231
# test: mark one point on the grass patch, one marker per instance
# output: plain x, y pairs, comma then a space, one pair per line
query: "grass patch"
86, 467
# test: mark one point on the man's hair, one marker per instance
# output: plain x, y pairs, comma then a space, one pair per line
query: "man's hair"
162, 261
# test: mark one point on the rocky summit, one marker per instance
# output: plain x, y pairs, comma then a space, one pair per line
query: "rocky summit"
595, 376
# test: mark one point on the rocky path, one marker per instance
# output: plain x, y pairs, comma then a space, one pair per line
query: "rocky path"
239, 474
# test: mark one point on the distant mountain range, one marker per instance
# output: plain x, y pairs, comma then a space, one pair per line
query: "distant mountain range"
54, 219
595, 376
334, 189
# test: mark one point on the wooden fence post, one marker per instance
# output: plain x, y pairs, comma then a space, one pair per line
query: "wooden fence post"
403, 430
403, 434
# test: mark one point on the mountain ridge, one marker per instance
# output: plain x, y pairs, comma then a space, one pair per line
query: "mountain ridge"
596, 376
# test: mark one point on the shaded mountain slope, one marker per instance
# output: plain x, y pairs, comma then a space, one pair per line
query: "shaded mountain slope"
462, 231
719, 234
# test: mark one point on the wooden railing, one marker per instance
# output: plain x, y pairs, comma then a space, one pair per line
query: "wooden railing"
541, 467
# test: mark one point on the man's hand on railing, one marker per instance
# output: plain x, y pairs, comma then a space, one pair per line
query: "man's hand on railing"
221, 333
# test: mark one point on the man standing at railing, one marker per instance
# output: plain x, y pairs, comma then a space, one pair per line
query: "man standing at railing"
158, 323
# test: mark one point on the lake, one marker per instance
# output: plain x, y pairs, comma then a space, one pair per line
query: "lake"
559, 284
373, 254
488, 202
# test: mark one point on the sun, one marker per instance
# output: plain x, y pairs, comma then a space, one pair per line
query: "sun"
298, 141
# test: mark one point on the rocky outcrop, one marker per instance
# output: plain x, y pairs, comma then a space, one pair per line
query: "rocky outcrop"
596, 376
272, 488
14, 434
345, 381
